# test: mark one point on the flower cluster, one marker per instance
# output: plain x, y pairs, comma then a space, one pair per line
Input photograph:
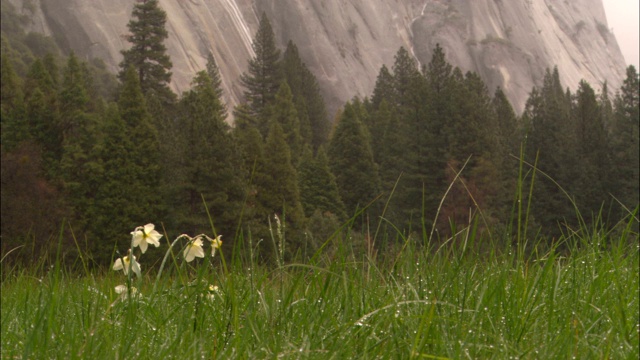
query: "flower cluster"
142, 236
194, 247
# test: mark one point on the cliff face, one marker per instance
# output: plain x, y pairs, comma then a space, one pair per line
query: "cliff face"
509, 43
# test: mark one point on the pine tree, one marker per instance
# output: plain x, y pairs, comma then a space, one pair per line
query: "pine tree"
144, 154
41, 100
284, 112
209, 164
264, 75
314, 123
509, 141
148, 55
625, 143
116, 207
216, 81
318, 188
277, 182
352, 162
384, 88
79, 132
592, 147
73, 97
550, 138
14, 125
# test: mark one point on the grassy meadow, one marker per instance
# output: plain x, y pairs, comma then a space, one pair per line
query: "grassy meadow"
460, 299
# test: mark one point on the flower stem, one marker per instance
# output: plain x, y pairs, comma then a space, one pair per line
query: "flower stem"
166, 256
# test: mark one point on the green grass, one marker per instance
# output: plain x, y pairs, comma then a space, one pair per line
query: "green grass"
581, 302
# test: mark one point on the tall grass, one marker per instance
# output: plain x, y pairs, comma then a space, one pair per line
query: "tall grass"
582, 303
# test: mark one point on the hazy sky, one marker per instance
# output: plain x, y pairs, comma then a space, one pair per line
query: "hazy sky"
622, 17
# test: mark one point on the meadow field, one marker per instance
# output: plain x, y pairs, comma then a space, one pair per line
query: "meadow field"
458, 299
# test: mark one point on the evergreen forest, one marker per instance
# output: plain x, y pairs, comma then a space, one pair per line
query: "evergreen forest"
87, 155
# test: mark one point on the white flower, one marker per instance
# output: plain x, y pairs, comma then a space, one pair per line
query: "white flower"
215, 244
194, 248
122, 290
145, 235
124, 264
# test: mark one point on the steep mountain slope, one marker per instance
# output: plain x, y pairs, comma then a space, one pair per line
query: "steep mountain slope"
344, 42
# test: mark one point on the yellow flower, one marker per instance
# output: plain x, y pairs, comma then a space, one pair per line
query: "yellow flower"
145, 235
213, 290
193, 250
124, 264
215, 244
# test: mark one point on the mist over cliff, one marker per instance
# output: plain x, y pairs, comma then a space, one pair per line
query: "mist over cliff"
345, 42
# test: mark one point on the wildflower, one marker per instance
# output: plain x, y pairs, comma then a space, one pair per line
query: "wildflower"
145, 235
124, 264
215, 244
194, 248
213, 290
122, 290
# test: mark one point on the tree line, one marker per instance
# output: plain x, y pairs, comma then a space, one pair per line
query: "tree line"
103, 156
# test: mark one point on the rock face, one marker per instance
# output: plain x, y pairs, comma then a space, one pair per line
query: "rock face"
509, 43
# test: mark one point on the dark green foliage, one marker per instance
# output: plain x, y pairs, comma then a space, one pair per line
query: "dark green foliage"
284, 112
314, 123
216, 81
277, 182
73, 97
509, 142
209, 164
318, 188
129, 194
264, 75
551, 136
625, 144
384, 88
42, 112
593, 152
116, 202
148, 54
14, 126
352, 162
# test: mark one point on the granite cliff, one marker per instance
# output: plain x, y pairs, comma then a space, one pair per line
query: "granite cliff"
509, 43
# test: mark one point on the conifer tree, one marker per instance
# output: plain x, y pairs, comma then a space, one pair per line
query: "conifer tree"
14, 125
278, 191
51, 66
264, 75
405, 77
625, 143
284, 112
79, 132
509, 141
148, 54
117, 207
314, 123
41, 100
216, 81
73, 97
143, 158
593, 151
318, 188
210, 163
384, 88
352, 162
550, 137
